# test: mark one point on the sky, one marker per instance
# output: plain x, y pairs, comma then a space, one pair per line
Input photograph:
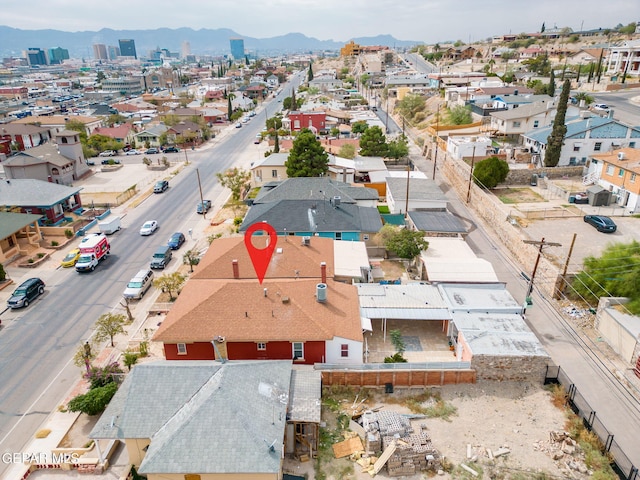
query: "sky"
428, 21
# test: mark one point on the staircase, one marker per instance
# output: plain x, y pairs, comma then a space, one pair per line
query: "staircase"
590, 179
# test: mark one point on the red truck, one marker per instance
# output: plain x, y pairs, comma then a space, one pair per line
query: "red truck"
93, 248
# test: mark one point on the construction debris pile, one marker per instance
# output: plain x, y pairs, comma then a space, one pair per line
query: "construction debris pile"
404, 451
566, 452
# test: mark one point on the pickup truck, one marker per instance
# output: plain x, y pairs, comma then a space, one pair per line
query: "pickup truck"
204, 206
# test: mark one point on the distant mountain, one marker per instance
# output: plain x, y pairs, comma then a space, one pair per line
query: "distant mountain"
14, 41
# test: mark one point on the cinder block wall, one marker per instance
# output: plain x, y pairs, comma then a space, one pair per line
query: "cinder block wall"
513, 369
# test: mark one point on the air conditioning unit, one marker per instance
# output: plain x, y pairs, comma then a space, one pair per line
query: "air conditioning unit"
306, 241
620, 155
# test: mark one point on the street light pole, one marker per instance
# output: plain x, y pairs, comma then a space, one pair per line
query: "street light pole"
435, 158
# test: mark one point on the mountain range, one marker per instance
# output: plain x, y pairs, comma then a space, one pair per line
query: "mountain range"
14, 41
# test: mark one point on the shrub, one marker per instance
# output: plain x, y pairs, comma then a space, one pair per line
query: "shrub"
237, 221
94, 401
54, 243
68, 233
30, 260
99, 377
44, 433
130, 359
146, 161
40, 255
3, 274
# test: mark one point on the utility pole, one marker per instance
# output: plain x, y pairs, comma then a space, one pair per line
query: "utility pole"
406, 204
473, 160
435, 157
204, 210
566, 267
541, 244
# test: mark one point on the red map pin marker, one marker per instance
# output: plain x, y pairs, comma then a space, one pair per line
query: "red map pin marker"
260, 257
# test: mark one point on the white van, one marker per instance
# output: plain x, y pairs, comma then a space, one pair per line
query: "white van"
139, 284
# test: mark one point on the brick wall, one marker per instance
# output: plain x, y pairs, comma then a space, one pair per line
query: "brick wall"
514, 369
398, 378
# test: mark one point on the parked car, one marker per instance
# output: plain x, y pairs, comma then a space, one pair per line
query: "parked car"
71, 258
26, 292
148, 227
601, 223
171, 149
139, 284
238, 125
161, 186
176, 240
601, 106
258, 138
152, 150
203, 207
90, 163
111, 161
132, 152
107, 153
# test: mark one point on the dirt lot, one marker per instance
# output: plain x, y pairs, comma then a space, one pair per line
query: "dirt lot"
513, 416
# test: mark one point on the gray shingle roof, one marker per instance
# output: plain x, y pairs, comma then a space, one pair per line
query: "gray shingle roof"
45, 153
203, 417
419, 189
442, 222
313, 188
314, 216
27, 192
306, 393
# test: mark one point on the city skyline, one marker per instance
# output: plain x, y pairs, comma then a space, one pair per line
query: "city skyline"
427, 21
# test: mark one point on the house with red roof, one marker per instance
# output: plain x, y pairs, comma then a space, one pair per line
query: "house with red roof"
122, 133
299, 311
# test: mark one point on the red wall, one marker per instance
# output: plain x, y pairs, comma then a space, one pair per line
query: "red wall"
313, 351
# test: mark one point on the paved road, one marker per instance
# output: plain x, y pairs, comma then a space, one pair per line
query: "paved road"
37, 343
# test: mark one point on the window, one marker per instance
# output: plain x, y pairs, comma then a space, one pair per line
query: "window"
516, 124
274, 173
298, 351
609, 169
620, 173
182, 349
338, 235
262, 346
344, 350
632, 144
576, 148
536, 123
597, 147
365, 237
632, 179
572, 161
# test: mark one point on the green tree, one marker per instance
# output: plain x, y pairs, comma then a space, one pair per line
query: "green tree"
410, 105
274, 123
537, 86
235, 179
347, 150
230, 97
373, 143
310, 74
628, 29
115, 119
407, 243
460, 115
170, 283
276, 143
3, 274
100, 76
307, 158
109, 325
540, 64
191, 258
588, 99
490, 172
559, 130
398, 148
94, 401
359, 127
615, 273
551, 88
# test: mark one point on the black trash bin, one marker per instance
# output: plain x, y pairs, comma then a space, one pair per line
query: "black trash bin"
388, 388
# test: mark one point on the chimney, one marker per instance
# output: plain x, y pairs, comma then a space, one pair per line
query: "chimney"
236, 269
323, 271
265, 292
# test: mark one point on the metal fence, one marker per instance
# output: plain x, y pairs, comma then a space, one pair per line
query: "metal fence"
623, 467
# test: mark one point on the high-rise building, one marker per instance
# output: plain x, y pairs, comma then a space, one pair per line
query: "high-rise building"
186, 49
36, 56
100, 51
127, 48
57, 55
113, 52
237, 48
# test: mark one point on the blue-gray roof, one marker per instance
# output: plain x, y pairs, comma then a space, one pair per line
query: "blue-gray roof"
203, 416
441, 222
10, 223
419, 189
315, 188
575, 127
314, 216
28, 192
